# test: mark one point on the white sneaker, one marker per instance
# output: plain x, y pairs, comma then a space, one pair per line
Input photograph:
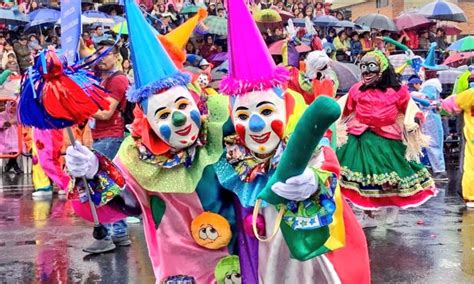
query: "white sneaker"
470, 204
368, 222
42, 194
392, 215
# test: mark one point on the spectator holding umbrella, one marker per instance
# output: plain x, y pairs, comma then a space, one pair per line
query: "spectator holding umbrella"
23, 53
424, 40
441, 39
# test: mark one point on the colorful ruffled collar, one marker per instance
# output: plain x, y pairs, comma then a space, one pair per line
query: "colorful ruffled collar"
172, 159
245, 163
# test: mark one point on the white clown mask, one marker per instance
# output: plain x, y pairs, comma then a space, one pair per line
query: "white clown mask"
203, 80
175, 117
260, 118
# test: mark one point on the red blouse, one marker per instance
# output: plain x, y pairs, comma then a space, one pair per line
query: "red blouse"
376, 110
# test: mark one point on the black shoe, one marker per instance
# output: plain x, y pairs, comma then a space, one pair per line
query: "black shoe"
17, 169
440, 177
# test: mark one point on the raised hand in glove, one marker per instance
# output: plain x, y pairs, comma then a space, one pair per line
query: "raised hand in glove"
80, 161
297, 188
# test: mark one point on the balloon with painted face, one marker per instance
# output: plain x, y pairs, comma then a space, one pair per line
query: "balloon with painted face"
174, 117
259, 118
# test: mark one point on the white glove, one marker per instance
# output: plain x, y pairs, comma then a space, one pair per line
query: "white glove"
297, 188
80, 161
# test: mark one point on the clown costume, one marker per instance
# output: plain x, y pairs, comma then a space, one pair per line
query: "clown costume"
264, 114
166, 165
463, 101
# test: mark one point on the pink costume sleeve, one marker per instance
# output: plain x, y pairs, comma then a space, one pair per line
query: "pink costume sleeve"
404, 98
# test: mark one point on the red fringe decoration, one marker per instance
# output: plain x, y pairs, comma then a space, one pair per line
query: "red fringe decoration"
64, 98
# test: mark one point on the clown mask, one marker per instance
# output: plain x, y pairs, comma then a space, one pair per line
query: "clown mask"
174, 117
259, 118
203, 80
370, 69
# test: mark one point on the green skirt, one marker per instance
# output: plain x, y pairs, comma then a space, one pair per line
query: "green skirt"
374, 167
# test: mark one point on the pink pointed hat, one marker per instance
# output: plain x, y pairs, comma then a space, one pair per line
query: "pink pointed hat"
251, 66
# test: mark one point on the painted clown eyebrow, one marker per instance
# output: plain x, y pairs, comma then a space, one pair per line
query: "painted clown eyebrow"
160, 109
180, 98
264, 103
241, 108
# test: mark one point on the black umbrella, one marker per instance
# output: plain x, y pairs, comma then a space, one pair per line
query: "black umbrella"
377, 21
107, 8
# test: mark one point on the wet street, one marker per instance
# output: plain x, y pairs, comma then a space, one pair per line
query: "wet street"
42, 241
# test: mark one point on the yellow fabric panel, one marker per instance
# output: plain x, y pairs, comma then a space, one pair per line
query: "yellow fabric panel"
337, 238
468, 168
40, 179
465, 100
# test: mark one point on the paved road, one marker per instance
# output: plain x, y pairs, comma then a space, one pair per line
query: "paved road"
41, 242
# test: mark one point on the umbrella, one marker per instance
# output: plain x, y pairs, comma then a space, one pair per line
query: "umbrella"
107, 8
118, 19
267, 16
345, 24
12, 17
449, 28
459, 57
96, 17
219, 57
464, 44
348, 73
299, 22
285, 15
449, 76
277, 47
43, 16
325, 21
120, 28
189, 9
411, 20
216, 25
445, 11
377, 21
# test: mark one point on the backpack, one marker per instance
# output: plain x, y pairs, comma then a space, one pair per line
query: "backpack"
125, 109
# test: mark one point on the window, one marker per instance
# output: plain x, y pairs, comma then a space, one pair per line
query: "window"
381, 3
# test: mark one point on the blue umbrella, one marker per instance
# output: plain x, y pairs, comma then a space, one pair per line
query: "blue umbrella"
444, 11
96, 17
12, 17
325, 21
43, 16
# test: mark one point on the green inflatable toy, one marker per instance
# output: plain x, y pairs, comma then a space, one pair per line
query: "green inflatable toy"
310, 129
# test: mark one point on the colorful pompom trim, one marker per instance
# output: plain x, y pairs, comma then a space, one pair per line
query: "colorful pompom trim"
137, 95
234, 87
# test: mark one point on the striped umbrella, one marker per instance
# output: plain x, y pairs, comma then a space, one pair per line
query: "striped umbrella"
216, 25
464, 44
444, 11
